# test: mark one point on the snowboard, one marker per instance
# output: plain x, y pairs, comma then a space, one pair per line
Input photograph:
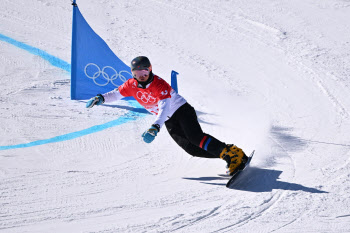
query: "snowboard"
236, 174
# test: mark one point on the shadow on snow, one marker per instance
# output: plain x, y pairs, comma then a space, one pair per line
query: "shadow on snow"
258, 180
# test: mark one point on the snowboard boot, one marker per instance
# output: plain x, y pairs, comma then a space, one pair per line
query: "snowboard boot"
235, 158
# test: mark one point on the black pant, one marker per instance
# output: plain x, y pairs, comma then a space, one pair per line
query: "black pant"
184, 128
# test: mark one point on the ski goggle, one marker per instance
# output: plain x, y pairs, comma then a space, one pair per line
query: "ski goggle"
140, 73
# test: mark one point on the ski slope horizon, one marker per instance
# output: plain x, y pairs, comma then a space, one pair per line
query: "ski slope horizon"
264, 75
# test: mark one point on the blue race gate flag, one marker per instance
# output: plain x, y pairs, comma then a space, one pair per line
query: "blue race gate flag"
95, 68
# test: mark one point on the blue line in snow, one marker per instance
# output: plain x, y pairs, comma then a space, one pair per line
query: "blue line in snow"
121, 120
41, 53
130, 116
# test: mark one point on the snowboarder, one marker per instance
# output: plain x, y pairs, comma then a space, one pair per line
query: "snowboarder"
171, 109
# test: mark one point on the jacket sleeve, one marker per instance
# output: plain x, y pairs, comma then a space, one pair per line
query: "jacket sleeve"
112, 96
163, 114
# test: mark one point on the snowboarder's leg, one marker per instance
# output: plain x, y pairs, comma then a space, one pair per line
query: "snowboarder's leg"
179, 137
183, 126
187, 132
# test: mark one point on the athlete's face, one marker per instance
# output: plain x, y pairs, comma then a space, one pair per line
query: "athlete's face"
141, 75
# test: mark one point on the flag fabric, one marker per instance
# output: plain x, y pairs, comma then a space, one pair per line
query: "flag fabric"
94, 67
174, 80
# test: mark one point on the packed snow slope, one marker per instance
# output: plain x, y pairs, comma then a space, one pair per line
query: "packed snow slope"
262, 74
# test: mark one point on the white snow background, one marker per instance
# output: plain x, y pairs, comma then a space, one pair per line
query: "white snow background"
263, 74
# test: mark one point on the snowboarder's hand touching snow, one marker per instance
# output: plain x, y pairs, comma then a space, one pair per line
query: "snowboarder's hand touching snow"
97, 100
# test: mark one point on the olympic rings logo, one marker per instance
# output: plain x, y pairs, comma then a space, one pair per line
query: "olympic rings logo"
145, 97
104, 76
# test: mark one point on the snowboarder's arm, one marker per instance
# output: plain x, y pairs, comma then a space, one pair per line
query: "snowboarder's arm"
112, 96
164, 108
107, 97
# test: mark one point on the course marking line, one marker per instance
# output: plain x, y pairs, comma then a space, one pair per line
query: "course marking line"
55, 61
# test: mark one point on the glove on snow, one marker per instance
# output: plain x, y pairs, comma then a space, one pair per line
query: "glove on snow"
97, 100
150, 134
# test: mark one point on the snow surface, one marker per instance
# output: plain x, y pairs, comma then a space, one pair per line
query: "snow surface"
262, 74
